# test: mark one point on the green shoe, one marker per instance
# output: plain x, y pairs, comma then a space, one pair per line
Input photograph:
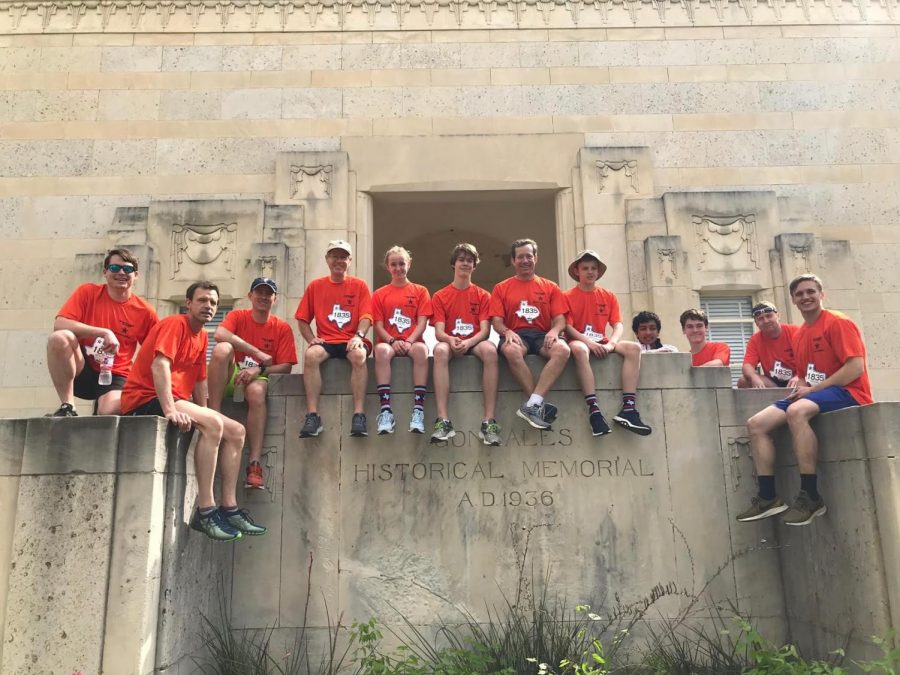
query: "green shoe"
490, 432
443, 431
242, 522
214, 526
762, 508
804, 510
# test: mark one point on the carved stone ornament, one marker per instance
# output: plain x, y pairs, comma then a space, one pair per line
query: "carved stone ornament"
726, 236
311, 182
265, 266
666, 256
241, 15
628, 167
204, 245
800, 256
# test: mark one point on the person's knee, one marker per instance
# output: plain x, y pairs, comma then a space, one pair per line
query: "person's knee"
110, 404
442, 352
756, 425
383, 352
255, 394
223, 352
314, 356
629, 349
579, 351
799, 414
357, 358
742, 383
61, 339
513, 352
560, 350
418, 352
486, 352
212, 427
233, 430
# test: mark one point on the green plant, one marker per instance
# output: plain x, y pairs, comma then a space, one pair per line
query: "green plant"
767, 659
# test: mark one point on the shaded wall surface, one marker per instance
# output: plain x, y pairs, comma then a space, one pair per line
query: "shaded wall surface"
100, 572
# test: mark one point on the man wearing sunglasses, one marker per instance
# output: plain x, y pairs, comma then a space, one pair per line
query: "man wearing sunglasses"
98, 321
771, 348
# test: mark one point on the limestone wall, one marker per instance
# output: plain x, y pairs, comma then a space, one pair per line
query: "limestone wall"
97, 571
800, 109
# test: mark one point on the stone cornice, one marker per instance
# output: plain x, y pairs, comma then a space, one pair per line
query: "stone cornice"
209, 16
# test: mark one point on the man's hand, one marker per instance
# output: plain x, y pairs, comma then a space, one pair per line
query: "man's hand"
513, 338
355, 342
550, 339
799, 392
246, 376
316, 341
401, 347
263, 359
459, 346
110, 341
180, 420
756, 382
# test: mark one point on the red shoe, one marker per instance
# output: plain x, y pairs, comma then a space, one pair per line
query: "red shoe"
255, 477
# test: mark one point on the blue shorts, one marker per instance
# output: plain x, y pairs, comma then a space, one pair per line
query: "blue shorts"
532, 339
829, 399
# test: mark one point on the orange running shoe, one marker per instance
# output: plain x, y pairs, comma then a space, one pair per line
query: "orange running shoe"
255, 477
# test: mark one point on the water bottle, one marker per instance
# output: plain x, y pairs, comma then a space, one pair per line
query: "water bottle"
238, 396
106, 370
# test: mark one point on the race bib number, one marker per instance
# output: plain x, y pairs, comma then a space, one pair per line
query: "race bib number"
247, 362
339, 317
528, 312
462, 329
813, 376
779, 372
593, 335
400, 321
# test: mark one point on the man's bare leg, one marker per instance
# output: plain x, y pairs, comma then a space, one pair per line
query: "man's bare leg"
515, 359
556, 363
490, 376
64, 361
255, 395
761, 427
312, 375
211, 427
582, 356
440, 375
110, 403
230, 460
631, 366
806, 444
221, 366
359, 377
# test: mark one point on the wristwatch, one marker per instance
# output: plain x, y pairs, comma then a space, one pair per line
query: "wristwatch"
361, 336
392, 341
262, 369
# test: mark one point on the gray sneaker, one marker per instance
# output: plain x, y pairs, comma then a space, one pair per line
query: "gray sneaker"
490, 432
312, 426
804, 510
242, 522
417, 421
443, 431
532, 415
359, 426
386, 421
762, 508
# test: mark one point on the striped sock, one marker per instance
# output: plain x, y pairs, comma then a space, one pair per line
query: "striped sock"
629, 401
419, 397
591, 400
384, 395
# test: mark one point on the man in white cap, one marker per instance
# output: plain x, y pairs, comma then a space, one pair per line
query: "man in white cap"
341, 307
592, 310
251, 344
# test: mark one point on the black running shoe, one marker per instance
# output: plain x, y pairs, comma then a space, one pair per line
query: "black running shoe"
632, 421
599, 427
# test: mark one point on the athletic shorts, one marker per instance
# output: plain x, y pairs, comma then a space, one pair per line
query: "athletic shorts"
339, 350
532, 339
779, 383
150, 408
86, 385
829, 399
229, 388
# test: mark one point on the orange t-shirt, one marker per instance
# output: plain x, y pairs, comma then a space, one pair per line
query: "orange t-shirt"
775, 356
337, 308
591, 311
461, 311
399, 308
274, 336
826, 345
173, 338
130, 321
528, 305
710, 351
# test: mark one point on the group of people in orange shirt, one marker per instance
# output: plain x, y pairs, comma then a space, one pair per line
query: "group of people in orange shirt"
100, 326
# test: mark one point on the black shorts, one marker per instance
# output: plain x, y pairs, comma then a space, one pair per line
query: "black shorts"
339, 350
532, 339
779, 383
151, 407
86, 385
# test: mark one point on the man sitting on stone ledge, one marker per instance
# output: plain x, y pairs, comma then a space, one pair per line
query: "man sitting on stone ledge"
831, 358
460, 316
341, 306
704, 354
529, 313
251, 344
169, 380
591, 310
771, 348
97, 322
646, 326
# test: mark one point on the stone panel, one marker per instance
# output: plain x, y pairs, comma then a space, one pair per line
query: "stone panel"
131, 59
190, 105
311, 57
45, 158
311, 103
246, 104
17, 106
124, 158
49, 448
63, 605
207, 58
128, 105
53, 106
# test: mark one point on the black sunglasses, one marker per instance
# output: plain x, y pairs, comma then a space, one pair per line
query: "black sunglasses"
115, 268
765, 310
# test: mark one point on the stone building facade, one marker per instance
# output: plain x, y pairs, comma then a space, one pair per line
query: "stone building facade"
706, 148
